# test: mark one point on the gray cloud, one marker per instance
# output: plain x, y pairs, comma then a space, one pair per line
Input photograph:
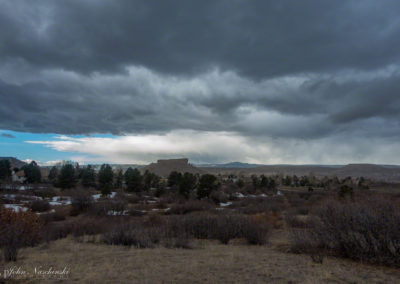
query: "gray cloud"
7, 135
255, 38
287, 70
142, 101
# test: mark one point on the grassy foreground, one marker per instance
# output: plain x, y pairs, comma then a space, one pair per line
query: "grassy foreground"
206, 262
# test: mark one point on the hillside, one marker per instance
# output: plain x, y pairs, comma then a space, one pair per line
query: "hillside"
15, 163
376, 172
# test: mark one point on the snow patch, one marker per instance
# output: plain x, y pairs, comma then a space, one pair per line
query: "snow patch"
225, 204
16, 207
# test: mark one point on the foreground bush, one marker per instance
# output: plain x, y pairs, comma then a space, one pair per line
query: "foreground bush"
365, 230
40, 206
17, 229
109, 207
222, 227
190, 206
81, 201
130, 234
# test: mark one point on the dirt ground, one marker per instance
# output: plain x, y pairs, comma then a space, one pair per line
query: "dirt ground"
206, 262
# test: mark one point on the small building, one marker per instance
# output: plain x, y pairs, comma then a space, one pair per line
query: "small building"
18, 176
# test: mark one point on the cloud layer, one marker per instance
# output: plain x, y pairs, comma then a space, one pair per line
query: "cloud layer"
276, 78
214, 147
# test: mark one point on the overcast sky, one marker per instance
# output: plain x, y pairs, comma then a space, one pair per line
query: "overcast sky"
215, 81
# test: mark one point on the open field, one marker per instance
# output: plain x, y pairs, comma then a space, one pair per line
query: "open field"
206, 262
191, 228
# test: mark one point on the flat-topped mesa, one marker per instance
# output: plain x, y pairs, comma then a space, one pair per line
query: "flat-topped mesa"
164, 167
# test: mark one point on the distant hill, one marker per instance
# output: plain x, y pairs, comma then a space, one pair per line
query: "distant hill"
15, 163
164, 167
237, 165
373, 171
376, 172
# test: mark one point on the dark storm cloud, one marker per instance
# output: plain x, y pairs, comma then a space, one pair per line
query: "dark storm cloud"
7, 135
282, 69
255, 38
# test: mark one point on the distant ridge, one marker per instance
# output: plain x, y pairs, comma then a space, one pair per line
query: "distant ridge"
373, 171
238, 165
15, 163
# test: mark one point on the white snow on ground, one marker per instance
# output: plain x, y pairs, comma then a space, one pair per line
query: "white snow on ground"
114, 213
225, 204
47, 212
239, 195
157, 209
14, 196
98, 196
60, 200
15, 207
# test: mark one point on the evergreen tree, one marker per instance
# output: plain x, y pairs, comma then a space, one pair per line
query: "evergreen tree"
207, 184
106, 177
240, 183
133, 180
5, 169
53, 174
119, 179
187, 184
255, 181
263, 181
151, 180
66, 178
32, 173
88, 176
174, 179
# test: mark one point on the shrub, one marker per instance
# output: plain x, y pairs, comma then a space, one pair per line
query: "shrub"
136, 213
104, 207
346, 190
229, 227
40, 206
175, 236
255, 233
190, 206
366, 230
47, 192
81, 201
90, 226
261, 205
200, 226
129, 234
219, 196
57, 215
17, 229
55, 231
295, 221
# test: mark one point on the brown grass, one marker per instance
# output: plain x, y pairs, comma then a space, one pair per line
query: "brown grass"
208, 262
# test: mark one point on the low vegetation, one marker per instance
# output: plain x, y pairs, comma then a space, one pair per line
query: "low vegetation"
324, 217
367, 230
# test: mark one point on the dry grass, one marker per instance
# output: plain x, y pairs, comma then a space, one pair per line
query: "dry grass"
208, 262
